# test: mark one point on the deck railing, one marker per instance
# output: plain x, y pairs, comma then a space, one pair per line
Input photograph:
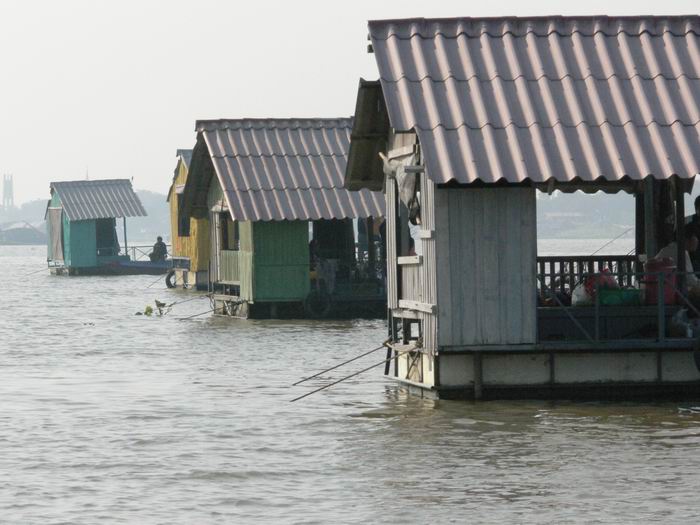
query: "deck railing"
564, 273
230, 271
140, 252
660, 297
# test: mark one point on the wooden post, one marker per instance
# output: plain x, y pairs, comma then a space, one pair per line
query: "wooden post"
680, 236
478, 376
371, 258
126, 246
639, 216
649, 224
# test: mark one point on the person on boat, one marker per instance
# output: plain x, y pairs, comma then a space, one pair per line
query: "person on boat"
670, 251
160, 251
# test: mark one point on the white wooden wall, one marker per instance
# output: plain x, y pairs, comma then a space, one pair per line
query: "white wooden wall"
412, 289
391, 270
486, 266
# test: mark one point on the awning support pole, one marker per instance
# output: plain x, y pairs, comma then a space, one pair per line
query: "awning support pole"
126, 247
680, 236
649, 226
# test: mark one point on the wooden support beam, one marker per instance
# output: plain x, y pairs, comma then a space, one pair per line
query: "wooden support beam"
639, 236
650, 246
415, 305
409, 259
680, 237
126, 247
478, 376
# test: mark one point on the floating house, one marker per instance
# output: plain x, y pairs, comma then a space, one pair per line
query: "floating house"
22, 233
470, 118
283, 230
190, 236
82, 228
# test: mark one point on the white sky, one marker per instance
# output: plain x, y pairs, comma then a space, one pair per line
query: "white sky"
117, 86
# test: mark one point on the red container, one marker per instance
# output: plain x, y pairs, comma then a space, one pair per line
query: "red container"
650, 282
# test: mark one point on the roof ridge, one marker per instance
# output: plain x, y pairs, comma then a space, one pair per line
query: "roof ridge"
281, 155
559, 124
89, 181
419, 27
535, 79
537, 18
275, 123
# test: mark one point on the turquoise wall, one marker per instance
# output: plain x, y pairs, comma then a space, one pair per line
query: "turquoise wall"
83, 244
281, 260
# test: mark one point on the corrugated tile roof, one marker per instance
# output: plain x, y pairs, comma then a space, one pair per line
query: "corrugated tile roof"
98, 199
549, 97
286, 169
185, 155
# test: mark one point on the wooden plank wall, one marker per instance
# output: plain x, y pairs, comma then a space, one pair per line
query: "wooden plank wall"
229, 271
214, 232
487, 251
196, 244
411, 282
391, 255
429, 264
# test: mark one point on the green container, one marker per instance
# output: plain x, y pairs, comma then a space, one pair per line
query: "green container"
620, 297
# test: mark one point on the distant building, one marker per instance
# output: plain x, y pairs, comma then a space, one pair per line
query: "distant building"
81, 222
268, 187
8, 193
22, 232
190, 235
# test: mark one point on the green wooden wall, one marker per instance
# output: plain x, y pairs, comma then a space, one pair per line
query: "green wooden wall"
79, 240
281, 260
83, 244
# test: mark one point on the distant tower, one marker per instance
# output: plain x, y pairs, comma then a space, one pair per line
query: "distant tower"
8, 194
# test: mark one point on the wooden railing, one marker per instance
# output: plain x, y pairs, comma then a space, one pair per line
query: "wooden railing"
230, 271
141, 252
411, 288
564, 273
645, 312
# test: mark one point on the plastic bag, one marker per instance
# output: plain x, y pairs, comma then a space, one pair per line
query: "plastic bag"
580, 296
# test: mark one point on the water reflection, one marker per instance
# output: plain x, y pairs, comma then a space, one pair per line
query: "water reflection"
109, 416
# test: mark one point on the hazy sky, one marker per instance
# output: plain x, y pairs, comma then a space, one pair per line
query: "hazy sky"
115, 87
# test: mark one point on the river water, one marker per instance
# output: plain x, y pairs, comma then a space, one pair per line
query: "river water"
110, 417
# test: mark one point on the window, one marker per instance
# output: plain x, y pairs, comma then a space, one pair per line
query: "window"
409, 219
230, 233
183, 222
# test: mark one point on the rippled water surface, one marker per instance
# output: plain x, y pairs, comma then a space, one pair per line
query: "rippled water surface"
109, 417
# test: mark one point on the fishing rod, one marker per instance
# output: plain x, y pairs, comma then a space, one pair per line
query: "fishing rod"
608, 243
341, 364
154, 282
612, 241
342, 379
195, 315
383, 361
206, 296
32, 273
